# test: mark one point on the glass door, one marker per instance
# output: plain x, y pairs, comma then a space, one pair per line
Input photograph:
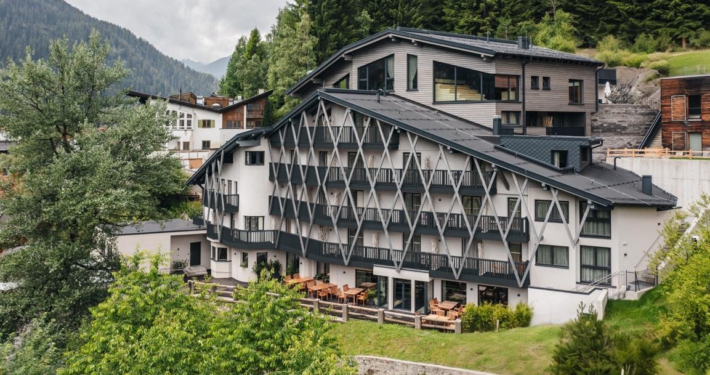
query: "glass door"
402, 295
382, 291
420, 296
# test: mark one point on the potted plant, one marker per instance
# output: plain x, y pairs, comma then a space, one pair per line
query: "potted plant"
275, 267
179, 265
244, 264
291, 268
371, 295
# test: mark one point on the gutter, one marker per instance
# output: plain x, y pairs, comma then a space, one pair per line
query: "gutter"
524, 117
596, 89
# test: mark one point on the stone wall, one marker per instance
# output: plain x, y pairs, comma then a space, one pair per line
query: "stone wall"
385, 366
621, 126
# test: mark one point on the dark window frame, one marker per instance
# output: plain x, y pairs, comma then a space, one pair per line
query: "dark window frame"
546, 83
555, 262
414, 84
695, 112
253, 223
562, 153
573, 91
206, 143
594, 217
519, 250
594, 266
535, 83
511, 204
220, 254
558, 219
506, 115
339, 83
415, 245
386, 76
482, 78
254, 158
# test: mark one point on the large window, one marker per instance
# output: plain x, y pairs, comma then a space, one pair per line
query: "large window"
412, 74
516, 250
456, 84
471, 205
542, 206
453, 291
510, 118
694, 107
205, 124
575, 91
598, 223
220, 254
365, 276
254, 223
415, 245
511, 207
556, 256
343, 83
233, 124
595, 263
358, 241
254, 158
377, 75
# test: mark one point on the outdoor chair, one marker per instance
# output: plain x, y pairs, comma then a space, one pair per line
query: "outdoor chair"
341, 296
287, 278
440, 312
362, 297
318, 282
333, 291
345, 288
323, 293
296, 276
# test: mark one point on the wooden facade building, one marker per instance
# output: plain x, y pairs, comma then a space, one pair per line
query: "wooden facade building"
685, 113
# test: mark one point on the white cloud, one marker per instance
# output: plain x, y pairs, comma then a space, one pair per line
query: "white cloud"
200, 30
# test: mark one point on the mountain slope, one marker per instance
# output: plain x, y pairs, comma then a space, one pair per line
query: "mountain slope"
216, 68
35, 22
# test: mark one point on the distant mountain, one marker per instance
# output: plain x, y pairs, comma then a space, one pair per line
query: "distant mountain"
216, 68
35, 22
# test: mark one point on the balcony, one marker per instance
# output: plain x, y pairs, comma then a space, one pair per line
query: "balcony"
495, 272
386, 179
577, 131
198, 220
346, 136
228, 203
487, 228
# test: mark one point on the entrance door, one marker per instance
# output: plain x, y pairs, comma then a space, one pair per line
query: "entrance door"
402, 294
696, 141
195, 253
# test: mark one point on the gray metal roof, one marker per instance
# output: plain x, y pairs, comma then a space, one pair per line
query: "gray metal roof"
169, 226
473, 44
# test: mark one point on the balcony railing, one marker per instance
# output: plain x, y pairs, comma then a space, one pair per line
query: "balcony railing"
438, 265
345, 136
487, 227
566, 130
198, 220
221, 202
388, 179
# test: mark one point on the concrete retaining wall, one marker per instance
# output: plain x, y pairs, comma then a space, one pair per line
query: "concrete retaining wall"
621, 126
560, 306
686, 179
385, 366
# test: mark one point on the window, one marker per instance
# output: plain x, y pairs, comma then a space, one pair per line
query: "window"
598, 223
186, 146
412, 203
254, 157
262, 258
546, 83
559, 158
415, 245
575, 91
595, 264
584, 154
377, 75
510, 118
542, 206
516, 250
343, 83
492, 294
220, 254
471, 205
535, 82
253, 223
694, 107
234, 124
205, 145
678, 108
412, 73
364, 276
556, 256
511, 206
245, 259
205, 124
253, 124
453, 291
456, 84
184, 121
358, 241
254, 107
323, 158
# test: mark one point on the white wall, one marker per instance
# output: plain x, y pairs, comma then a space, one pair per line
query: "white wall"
176, 244
557, 307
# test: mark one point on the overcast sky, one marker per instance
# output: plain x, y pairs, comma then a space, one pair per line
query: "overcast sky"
200, 30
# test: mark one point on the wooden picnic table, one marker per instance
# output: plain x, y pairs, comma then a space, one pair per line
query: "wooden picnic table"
319, 287
458, 297
353, 292
437, 318
447, 305
368, 285
301, 280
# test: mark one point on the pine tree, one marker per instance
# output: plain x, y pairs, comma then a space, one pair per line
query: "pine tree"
472, 17
334, 24
585, 346
680, 19
392, 13
230, 85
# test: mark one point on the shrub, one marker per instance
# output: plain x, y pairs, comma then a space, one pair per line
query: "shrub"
657, 57
635, 355
694, 356
634, 60
701, 39
661, 66
611, 59
644, 43
585, 346
664, 41
522, 315
609, 44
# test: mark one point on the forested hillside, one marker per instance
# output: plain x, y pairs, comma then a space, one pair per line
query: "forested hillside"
35, 22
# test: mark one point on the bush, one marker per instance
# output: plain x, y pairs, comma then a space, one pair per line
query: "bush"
644, 43
694, 356
522, 315
609, 44
634, 60
585, 346
664, 42
635, 355
611, 59
701, 39
483, 318
661, 66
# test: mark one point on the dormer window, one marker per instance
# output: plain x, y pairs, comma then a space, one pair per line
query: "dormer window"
559, 158
377, 75
343, 83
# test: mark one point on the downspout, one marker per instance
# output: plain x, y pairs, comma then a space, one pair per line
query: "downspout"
524, 117
596, 89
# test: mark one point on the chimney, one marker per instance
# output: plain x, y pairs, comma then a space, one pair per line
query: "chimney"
497, 125
646, 185
523, 42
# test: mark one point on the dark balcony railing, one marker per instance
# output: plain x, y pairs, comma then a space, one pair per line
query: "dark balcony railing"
345, 136
439, 265
577, 131
198, 220
221, 202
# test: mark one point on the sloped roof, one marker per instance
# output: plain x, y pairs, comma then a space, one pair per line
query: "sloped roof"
598, 182
169, 226
481, 46
142, 95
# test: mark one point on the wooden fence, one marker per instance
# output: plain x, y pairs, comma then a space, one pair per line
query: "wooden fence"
339, 312
655, 153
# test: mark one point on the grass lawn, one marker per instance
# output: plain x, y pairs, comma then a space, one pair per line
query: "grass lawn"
690, 61
517, 351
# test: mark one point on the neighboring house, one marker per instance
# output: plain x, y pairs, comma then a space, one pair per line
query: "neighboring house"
205, 123
540, 91
183, 241
385, 189
685, 113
